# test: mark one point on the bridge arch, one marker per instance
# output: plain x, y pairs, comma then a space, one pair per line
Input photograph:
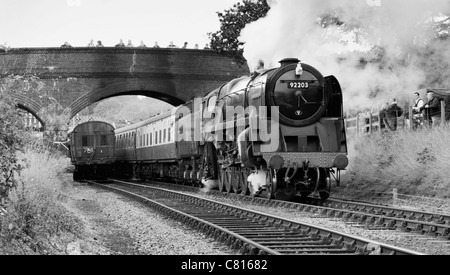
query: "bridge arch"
96, 96
29, 105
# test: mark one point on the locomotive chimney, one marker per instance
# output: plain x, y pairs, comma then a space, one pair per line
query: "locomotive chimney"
288, 61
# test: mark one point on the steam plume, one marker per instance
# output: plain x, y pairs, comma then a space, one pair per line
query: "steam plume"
291, 29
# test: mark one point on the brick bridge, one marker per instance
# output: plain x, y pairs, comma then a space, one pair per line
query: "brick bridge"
79, 77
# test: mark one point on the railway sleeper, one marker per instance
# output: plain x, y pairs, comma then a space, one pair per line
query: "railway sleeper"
347, 216
319, 251
355, 218
296, 242
443, 233
282, 247
279, 238
391, 224
237, 244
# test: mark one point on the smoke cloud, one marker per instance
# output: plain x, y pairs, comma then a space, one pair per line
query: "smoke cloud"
291, 29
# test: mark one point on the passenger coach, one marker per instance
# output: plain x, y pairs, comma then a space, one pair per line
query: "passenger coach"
143, 148
92, 149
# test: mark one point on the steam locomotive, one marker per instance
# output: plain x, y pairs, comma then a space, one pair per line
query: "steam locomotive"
277, 133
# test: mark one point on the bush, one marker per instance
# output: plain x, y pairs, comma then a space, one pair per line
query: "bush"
30, 210
35, 214
11, 132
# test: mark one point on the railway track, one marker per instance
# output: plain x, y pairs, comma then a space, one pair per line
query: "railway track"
251, 232
376, 217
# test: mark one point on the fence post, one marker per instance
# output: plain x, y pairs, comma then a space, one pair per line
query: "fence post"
442, 112
357, 125
394, 195
379, 122
411, 118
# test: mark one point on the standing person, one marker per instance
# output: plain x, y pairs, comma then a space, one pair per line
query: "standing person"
156, 45
433, 109
171, 45
142, 45
99, 44
392, 114
185, 45
417, 118
121, 44
130, 44
91, 44
384, 123
66, 45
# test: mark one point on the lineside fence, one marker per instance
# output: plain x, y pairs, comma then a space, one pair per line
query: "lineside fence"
369, 123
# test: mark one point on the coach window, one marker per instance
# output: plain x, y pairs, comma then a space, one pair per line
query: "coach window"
164, 140
84, 141
103, 140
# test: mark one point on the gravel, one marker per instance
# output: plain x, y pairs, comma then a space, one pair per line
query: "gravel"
113, 224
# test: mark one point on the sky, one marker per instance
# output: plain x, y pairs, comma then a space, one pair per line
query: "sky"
49, 23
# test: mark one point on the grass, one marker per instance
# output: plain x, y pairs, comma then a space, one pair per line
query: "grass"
35, 217
414, 162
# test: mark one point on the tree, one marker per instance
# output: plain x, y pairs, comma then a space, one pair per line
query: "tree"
11, 127
225, 41
12, 133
